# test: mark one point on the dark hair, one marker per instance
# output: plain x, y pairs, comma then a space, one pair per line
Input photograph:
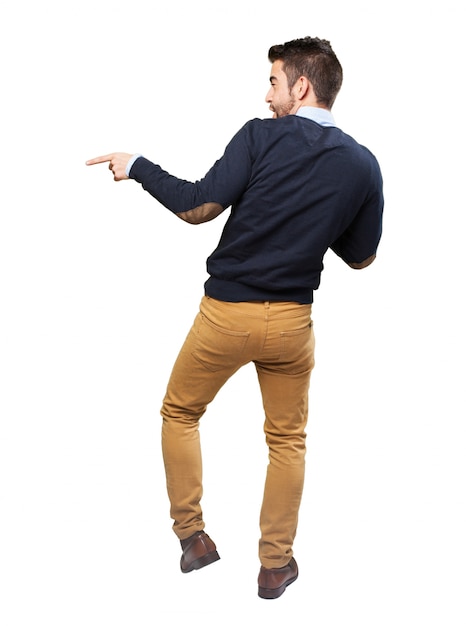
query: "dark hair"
313, 58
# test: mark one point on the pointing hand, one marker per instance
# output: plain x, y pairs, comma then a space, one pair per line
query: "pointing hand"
117, 162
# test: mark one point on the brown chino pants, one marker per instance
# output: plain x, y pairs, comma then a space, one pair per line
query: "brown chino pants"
278, 337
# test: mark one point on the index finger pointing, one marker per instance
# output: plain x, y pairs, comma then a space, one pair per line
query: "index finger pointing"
100, 159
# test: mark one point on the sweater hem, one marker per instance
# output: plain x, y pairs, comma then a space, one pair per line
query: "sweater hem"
228, 291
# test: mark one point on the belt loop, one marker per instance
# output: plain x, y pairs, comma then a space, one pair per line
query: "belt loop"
266, 311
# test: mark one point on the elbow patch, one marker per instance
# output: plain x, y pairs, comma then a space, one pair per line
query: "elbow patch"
202, 213
363, 264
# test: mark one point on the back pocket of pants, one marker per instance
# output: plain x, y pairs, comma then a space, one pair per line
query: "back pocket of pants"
218, 348
297, 348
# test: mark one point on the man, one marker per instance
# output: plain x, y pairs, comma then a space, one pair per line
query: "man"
297, 186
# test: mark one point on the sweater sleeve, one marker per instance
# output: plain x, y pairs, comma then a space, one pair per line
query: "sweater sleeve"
203, 200
361, 238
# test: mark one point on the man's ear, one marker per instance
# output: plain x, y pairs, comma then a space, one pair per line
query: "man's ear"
302, 88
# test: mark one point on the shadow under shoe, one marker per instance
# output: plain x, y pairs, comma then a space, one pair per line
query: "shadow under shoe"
273, 582
198, 551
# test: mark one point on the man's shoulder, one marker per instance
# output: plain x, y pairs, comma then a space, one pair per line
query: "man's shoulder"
270, 125
257, 131
301, 129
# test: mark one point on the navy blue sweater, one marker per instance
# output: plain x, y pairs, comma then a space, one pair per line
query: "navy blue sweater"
295, 189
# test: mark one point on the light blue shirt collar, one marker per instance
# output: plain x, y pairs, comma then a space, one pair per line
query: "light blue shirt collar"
322, 116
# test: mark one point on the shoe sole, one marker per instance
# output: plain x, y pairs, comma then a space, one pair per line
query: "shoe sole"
202, 561
272, 594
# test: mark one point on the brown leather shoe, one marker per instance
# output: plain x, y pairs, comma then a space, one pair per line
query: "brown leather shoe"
198, 551
274, 581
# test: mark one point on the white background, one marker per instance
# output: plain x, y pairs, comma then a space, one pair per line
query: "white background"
99, 285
